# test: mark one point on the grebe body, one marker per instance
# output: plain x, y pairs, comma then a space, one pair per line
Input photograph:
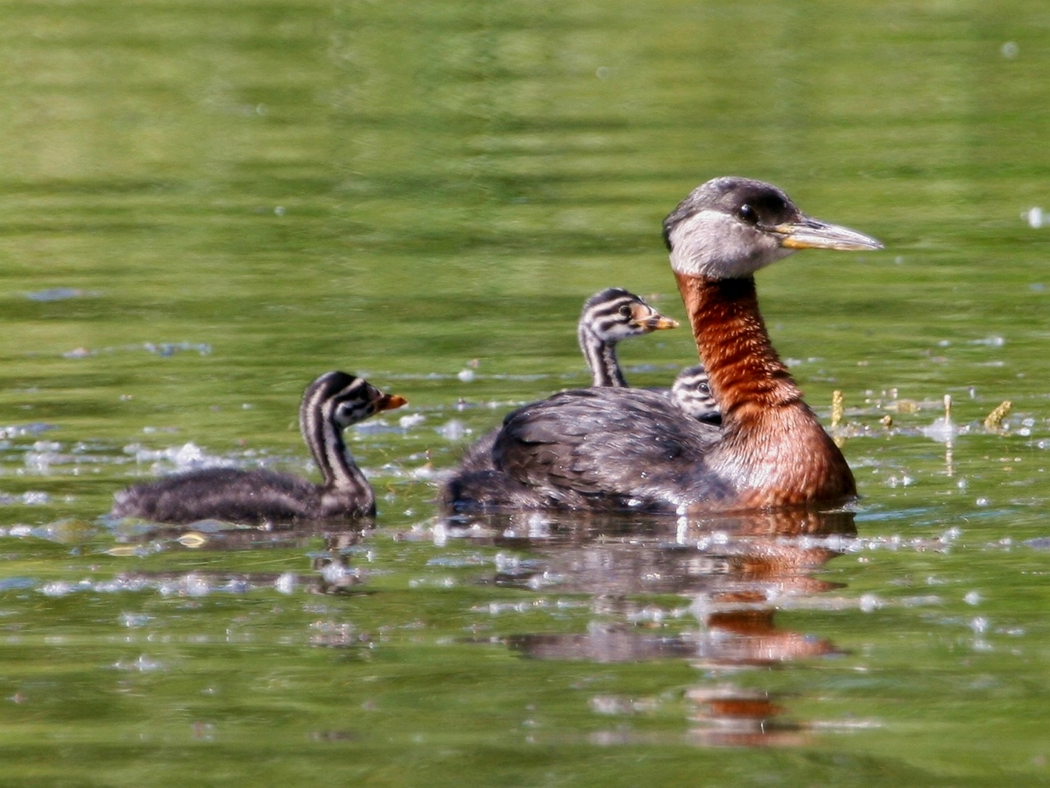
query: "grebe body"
608, 317
330, 404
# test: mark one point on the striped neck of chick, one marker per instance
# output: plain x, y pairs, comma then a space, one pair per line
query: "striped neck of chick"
608, 317
330, 404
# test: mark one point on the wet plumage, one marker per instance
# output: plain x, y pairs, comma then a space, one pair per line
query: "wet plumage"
333, 402
611, 448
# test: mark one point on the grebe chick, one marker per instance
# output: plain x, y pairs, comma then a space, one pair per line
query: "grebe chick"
604, 448
608, 317
691, 392
615, 314
330, 404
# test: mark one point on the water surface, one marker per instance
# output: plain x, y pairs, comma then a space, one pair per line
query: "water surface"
204, 207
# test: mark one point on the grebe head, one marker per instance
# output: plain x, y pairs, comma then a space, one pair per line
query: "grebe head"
692, 393
615, 314
731, 227
345, 399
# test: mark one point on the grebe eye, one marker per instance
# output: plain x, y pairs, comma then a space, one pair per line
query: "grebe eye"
703, 388
747, 214
351, 410
625, 311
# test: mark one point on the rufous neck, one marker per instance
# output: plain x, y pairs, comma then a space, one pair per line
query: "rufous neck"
774, 450
734, 345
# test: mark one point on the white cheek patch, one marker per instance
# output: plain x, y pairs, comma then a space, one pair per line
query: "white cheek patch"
714, 245
691, 247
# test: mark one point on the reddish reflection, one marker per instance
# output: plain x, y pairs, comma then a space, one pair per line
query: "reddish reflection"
729, 716
736, 570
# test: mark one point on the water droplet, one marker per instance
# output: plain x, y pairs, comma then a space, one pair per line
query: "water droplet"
870, 603
285, 584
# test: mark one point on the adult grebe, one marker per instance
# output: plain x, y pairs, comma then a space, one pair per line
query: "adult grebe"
604, 448
330, 404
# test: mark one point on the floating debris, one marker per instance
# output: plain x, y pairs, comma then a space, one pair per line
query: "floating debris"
127, 551
903, 406
192, 539
993, 421
943, 429
838, 408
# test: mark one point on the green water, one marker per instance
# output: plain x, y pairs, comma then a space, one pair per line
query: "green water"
203, 206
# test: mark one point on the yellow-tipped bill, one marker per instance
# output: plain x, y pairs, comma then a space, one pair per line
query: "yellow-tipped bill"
814, 234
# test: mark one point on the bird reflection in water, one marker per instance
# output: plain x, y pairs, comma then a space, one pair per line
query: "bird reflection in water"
331, 545
736, 570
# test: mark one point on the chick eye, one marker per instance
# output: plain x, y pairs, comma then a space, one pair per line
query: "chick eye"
348, 411
703, 388
747, 214
625, 311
